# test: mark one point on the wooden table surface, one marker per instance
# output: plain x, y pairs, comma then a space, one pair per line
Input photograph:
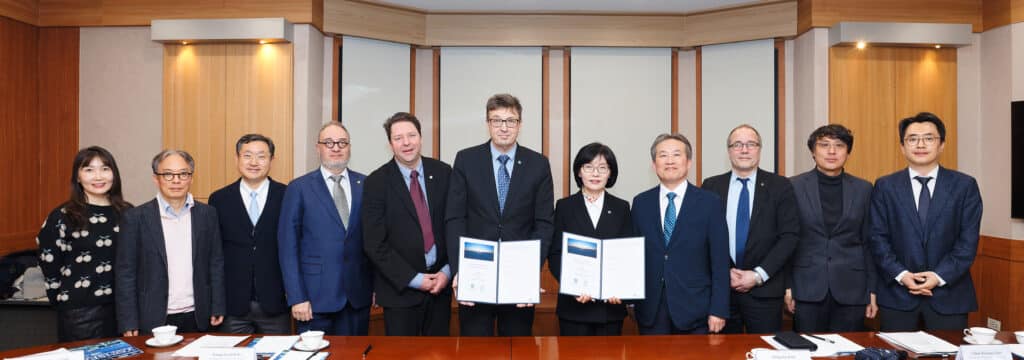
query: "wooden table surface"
541, 347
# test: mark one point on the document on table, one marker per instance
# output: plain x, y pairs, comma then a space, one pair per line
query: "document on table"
602, 268
59, 354
271, 346
499, 272
841, 346
197, 347
921, 343
301, 355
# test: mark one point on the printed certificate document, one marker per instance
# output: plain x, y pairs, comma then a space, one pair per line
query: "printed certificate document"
499, 272
602, 269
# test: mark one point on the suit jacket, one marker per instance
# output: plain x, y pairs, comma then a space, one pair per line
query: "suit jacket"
571, 216
321, 260
141, 268
472, 208
250, 252
945, 244
774, 228
836, 261
392, 237
693, 270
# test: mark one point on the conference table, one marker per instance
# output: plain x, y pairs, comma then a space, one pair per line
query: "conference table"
540, 347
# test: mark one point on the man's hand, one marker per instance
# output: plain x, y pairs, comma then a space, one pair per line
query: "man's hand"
791, 303
872, 309
715, 324
927, 279
216, 320
742, 280
583, 299
131, 333
917, 284
614, 301
440, 282
373, 300
428, 282
455, 289
302, 311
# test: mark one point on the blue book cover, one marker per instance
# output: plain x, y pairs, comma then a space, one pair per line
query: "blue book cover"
113, 349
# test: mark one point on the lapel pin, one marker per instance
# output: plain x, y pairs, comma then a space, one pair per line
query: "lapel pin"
359, 181
609, 211
520, 162
431, 177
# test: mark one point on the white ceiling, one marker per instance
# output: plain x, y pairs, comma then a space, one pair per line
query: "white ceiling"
586, 6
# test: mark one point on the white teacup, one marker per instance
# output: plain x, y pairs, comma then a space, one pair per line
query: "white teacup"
311, 339
1020, 336
164, 334
981, 335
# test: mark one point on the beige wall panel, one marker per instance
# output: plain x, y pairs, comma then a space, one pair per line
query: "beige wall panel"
926, 81
373, 21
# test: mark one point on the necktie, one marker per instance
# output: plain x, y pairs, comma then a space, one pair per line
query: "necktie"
503, 180
254, 207
422, 213
742, 222
340, 199
670, 216
925, 199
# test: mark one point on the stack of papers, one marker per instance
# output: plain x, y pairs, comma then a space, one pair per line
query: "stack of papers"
841, 346
920, 342
272, 346
301, 355
197, 347
59, 354
1017, 349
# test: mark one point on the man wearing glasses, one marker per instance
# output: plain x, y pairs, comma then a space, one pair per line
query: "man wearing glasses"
499, 191
925, 224
170, 268
248, 210
320, 242
764, 227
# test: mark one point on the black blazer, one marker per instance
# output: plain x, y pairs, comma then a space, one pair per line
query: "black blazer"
250, 252
774, 228
141, 283
839, 263
392, 238
571, 216
472, 208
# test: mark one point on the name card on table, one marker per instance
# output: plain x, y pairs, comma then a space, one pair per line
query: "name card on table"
984, 352
228, 354
769, 354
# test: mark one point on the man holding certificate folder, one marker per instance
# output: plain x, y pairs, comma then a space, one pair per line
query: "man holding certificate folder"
499, 191
687, 248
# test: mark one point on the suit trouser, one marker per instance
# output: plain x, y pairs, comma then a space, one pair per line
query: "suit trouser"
663, 324
87, 322
257, 321
575, 328
478, 320
428, 318
827, 315
186, 322
756, 315
345, 322
897, 320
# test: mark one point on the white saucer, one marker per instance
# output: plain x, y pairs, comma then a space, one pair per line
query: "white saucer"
970, 340
301, 347
174, 341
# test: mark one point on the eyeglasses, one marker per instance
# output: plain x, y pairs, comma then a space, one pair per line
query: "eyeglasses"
183, 176
497, 123
827, 145
330, 144
590, 169
928, 140
749, 145
260, 158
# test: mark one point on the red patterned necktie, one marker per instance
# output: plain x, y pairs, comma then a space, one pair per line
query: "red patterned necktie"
422, 213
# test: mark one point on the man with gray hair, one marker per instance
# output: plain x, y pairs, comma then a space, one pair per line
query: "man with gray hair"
170, 267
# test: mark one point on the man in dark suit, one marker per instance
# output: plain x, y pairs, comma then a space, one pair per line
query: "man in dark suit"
686, 254
832, 278
403, 234
925, 224
327, 279
764, 226
499, 191
248, 210
170, 269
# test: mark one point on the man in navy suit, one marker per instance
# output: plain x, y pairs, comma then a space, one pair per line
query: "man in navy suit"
686, 248
925, 224
327, 279
499, 191
403, 234
248, 210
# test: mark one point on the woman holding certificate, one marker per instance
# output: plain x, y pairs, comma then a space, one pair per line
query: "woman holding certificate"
591, 212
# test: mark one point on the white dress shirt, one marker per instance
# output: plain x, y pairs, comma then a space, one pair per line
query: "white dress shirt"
594, 208
345, 184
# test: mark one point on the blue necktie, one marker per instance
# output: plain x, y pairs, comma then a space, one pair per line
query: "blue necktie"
670, 216
503, 180
924, 200
254, 207
742, 222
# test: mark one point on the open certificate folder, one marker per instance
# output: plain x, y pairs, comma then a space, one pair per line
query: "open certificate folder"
602, 268
499, 272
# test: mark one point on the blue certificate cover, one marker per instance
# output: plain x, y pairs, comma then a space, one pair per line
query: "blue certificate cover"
113, 349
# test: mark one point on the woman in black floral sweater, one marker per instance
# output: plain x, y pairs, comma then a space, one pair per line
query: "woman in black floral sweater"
76, 248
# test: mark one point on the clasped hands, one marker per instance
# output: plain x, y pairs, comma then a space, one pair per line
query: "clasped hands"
920, 283
742, 280
434, 283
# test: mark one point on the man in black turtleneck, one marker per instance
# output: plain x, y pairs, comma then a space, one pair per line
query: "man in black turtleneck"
831, 284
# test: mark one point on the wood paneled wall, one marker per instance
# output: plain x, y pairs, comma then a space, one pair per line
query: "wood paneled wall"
997, 272
25, 11
39, 123
141, 12
214, 93
825, 13
870, 90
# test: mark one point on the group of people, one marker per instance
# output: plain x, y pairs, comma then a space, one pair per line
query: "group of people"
729, 256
